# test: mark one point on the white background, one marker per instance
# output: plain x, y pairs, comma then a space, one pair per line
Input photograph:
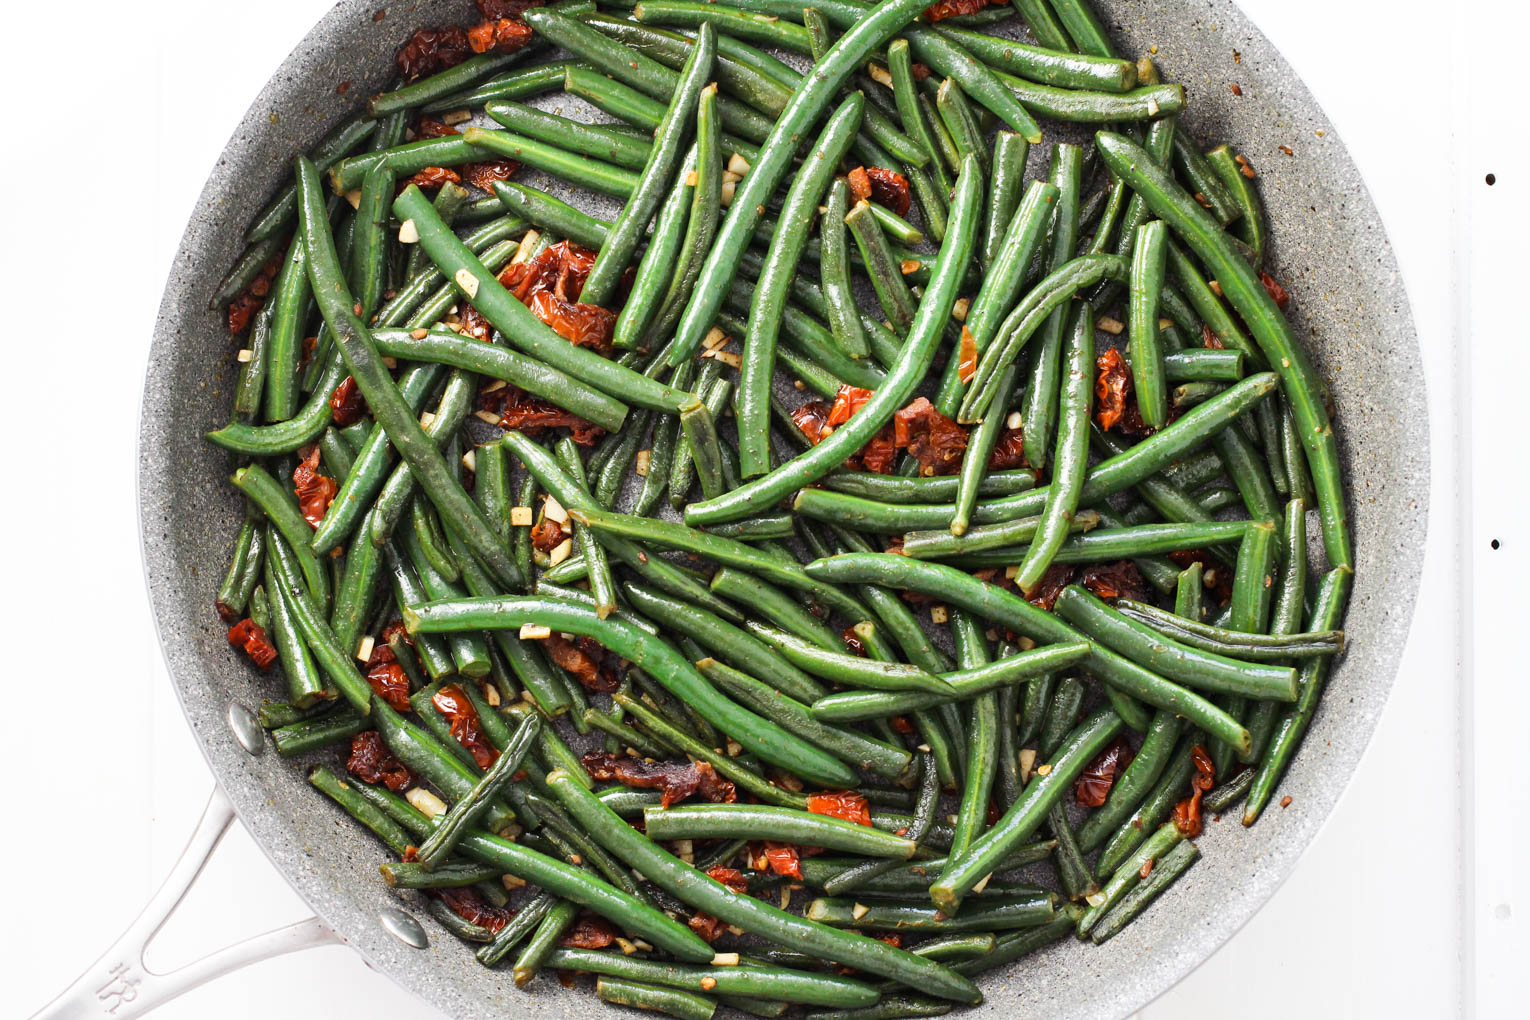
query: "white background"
1407, 905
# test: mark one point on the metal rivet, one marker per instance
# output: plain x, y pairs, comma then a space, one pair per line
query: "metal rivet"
246, 728
402, 926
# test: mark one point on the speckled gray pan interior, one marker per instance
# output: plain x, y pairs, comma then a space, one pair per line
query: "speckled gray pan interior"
1329, 248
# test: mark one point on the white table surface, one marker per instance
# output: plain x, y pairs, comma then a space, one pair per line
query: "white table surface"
1407, 905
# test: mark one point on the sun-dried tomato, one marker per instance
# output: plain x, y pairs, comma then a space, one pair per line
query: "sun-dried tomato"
396, 627
470, 322
847, 401
878, 455
467, 904
431, 50
346, 404
498, 35
589, 931
314, 491
811, 418
1119, 580
520, 412
434, 177
1210, 340
1276, 291
1216, 576
561, 268
1057, 577
462, 719
585, 660
387, 677
901, 724
372, 762
967, 356
1008, 450
506, 8
243, 308
931, 438
892, 938
843, 804
889, 189
246, 634
730, 877
675, 780
483, 175
853, 642
429, 127
1112, 387
583, 325
953, 9
1187, 813
1094, 783
859, 183
781, 859
707, 926
547, 534
226, 612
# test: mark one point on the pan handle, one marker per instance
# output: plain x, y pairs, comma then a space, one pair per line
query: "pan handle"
120, 986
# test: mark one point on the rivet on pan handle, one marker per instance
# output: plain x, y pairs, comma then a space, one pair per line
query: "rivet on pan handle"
120, 986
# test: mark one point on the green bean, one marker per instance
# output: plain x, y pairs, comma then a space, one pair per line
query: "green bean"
847, 745
760, 28
523, 329
892, 1007
1191, 666
911, 113
1129, 873
785, 612
443, 83
896, 489
398, 492
1072, 455
755, 980
307, 735
1079, 107
517, 84
341, 792
1062, 714
542, 941
521, 925
304, 684
956, 114
775, 159
1246, 292
1042, 21
763, 821
1201, 364
655, 657
754, 529
1084, 27
403, 160
249, 266
992, 603
1235, 173
281, 509
656, 268
1047, 65
834, 267
243, 572
451, 875
685, 1005
288, 302
698, 426
469, 810
1327, 610
1165, 871
1134, 783
934, 309
597, 141
1144, 349
1009, 155
584, 171
1203, 179
990, 914
702, 892
277, 215
552, 214
886, 275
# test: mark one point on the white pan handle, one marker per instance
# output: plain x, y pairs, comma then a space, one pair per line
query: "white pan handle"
120, 986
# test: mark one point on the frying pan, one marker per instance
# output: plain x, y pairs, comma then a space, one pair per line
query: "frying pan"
1329, 249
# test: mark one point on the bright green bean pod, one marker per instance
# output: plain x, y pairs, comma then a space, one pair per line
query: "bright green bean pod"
596, 141
834, 270
1042, 21
683, 1005
850, 670
1144, 350
1047, 66
595, 175
281, 509
1235, 173
897, 489
466, 812
335, 660
886, 275
517, 84
779, 983
243, 572
764, 821
956, 114
1084, 27
989, 914
552, 214
655, 270
304, 684
1006, 184
1165, 871
341, 792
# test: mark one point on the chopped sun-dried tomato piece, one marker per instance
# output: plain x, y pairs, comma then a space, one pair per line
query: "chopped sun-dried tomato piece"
843, 804
730, 877
387, 677
953, 9
589, 931
1094, 783
561, 268
1008, 450
1276, 291
470, 322
1187, 813
498, 35
675, 780
246, 634
483, 175
547, 534
847, 401
434, 177
429, 127
859, 183
314, 491
707, 926
1119, 580
243, 308
878, 455
901, 724
1210, 340
1112, 387
782, 859
889, 189
581, 324
462, 719
584, 659
432, 49
467, 904
967, 356
372, 762
931, 438
346, 404
521, 412
1057, 577
892, 938
811, 418
853, 641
